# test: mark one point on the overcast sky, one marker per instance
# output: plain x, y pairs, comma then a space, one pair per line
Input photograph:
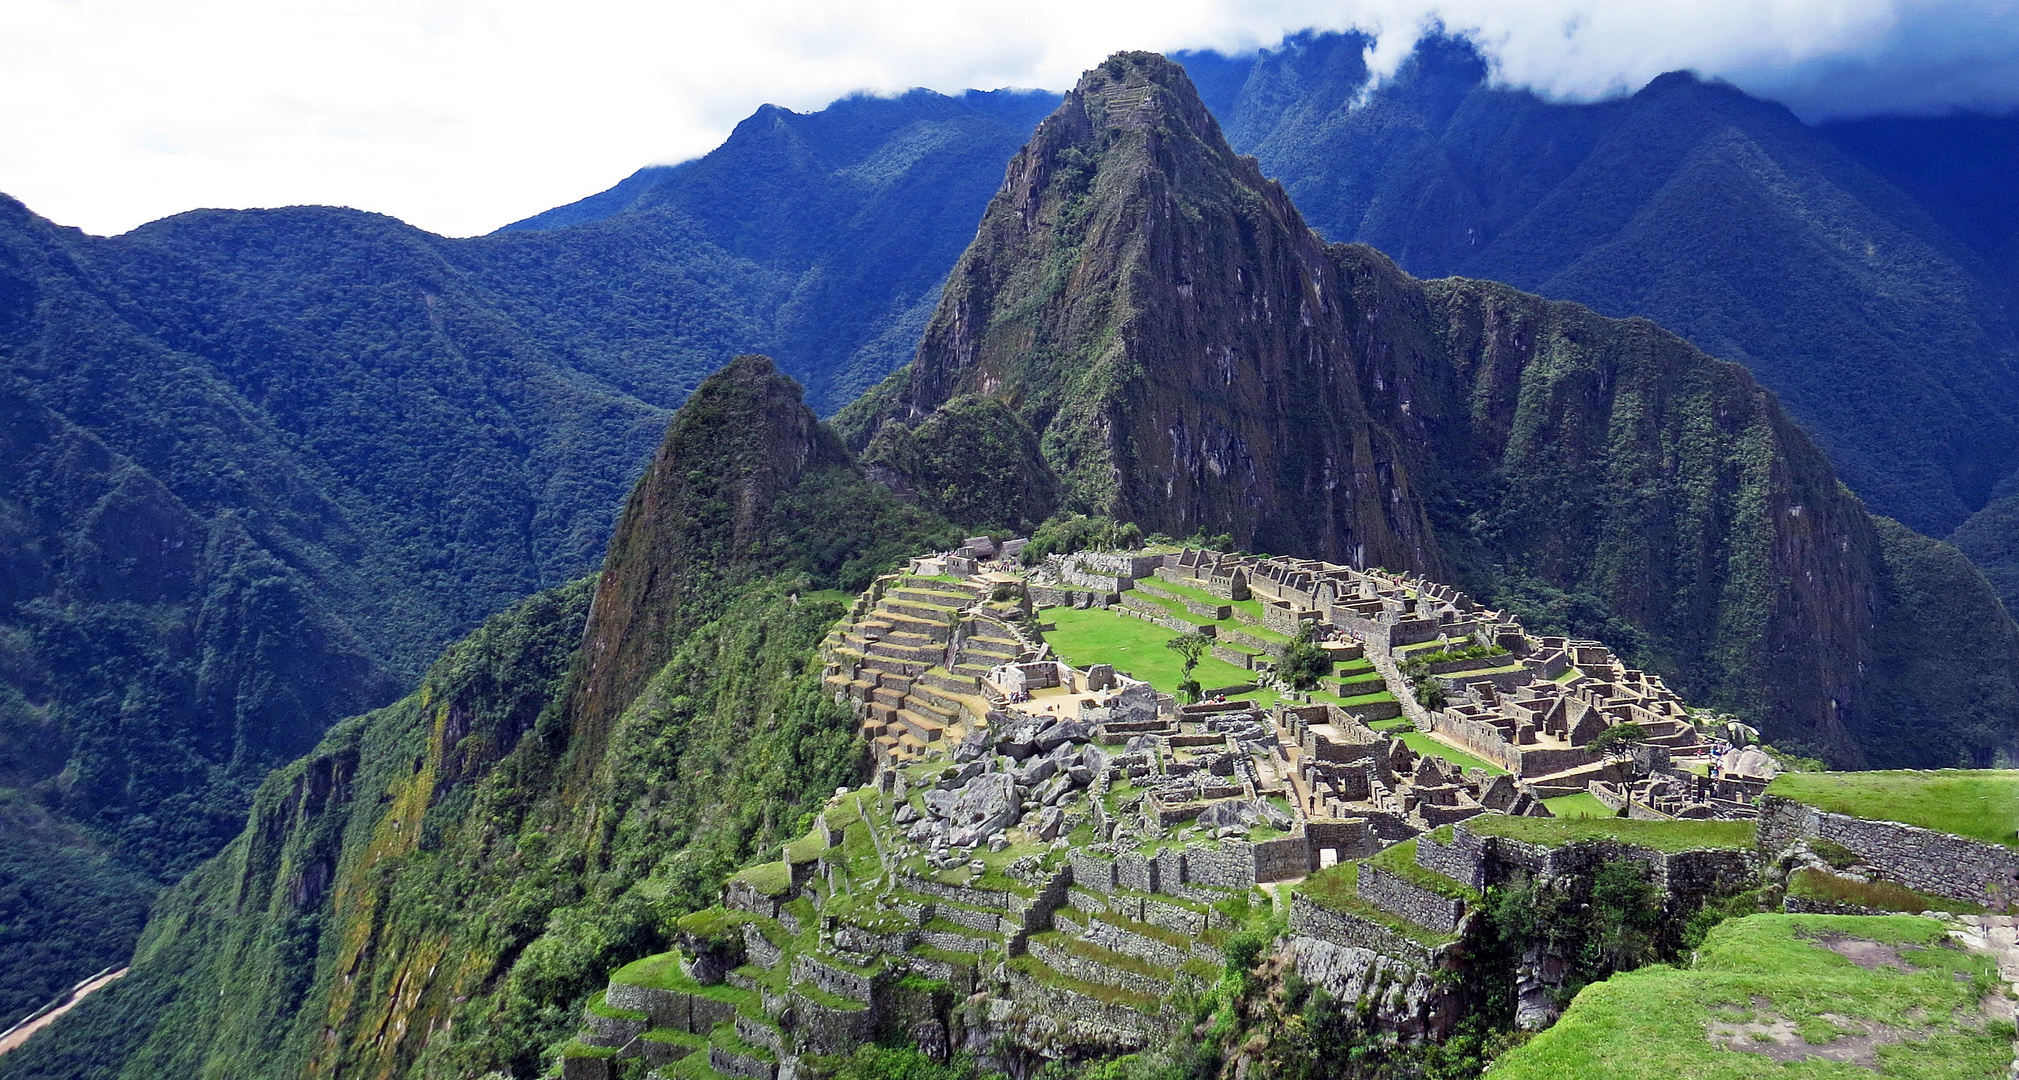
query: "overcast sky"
461, 115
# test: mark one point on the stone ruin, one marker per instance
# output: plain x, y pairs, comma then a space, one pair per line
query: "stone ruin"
1060, 846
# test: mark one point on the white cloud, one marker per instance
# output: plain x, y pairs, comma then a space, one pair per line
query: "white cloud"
459, 115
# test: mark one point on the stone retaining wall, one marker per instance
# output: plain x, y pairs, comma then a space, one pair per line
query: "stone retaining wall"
1130, 943
1354, 932
833, 979
1088, 1024
994, 899
1921, 859
1463, 860
758, 1033
1400, 897
1233, 656
1085, 970
820, 1029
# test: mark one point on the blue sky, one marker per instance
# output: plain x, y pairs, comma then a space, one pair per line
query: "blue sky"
460, 115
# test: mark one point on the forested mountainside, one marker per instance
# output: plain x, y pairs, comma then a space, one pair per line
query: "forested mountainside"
432, 889
1168, 338
271, 462
1855, 270
855, 213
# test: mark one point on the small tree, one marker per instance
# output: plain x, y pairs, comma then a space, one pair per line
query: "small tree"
1620, 739
1193, 648
1303, 663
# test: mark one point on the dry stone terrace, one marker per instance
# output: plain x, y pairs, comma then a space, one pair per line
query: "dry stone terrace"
1067, 845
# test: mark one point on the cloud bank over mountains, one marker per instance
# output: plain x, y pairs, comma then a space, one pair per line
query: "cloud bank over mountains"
460, 115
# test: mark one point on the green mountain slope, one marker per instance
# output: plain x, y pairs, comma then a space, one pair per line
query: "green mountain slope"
435, 887
1187, 355
848, 217
273, 461
1722, 217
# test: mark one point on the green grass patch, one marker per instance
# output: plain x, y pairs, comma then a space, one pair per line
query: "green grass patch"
1424, 744
662, 972
768, 878
807, 848
677, 1037
1658, 835
824, 999
1337, 888
1651, 1024
1400, 860
1982, 804
1134, 646
1813, 884
1581, 805
579, 1050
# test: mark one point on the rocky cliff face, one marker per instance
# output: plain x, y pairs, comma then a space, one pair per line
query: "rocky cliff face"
1158, 314
1189, 355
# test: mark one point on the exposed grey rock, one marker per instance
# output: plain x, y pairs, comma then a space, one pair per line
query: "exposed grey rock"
1049, 821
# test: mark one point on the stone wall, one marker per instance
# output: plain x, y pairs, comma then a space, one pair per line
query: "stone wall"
1462, 860
1921, 859
1283, 857
835, 980
1090, 871
1350, 931
994, 899
822, 1029
1406, 1001
1398, 896
1086, 1023
1351, 838
1232, 656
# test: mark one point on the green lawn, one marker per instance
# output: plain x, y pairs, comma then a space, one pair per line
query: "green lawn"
1133, 646
1982, 804
1580, 805
1764, 970
1659, 835
1424, 744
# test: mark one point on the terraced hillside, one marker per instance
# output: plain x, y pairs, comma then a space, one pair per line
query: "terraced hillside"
913, 650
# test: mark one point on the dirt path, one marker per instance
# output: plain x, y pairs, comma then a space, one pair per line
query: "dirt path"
21, 1034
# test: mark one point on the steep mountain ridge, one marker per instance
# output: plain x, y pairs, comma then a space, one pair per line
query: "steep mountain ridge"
1191, 357
1718, 215
434, 888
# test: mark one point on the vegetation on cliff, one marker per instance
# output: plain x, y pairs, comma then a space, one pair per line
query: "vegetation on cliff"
436, 888
271, 462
